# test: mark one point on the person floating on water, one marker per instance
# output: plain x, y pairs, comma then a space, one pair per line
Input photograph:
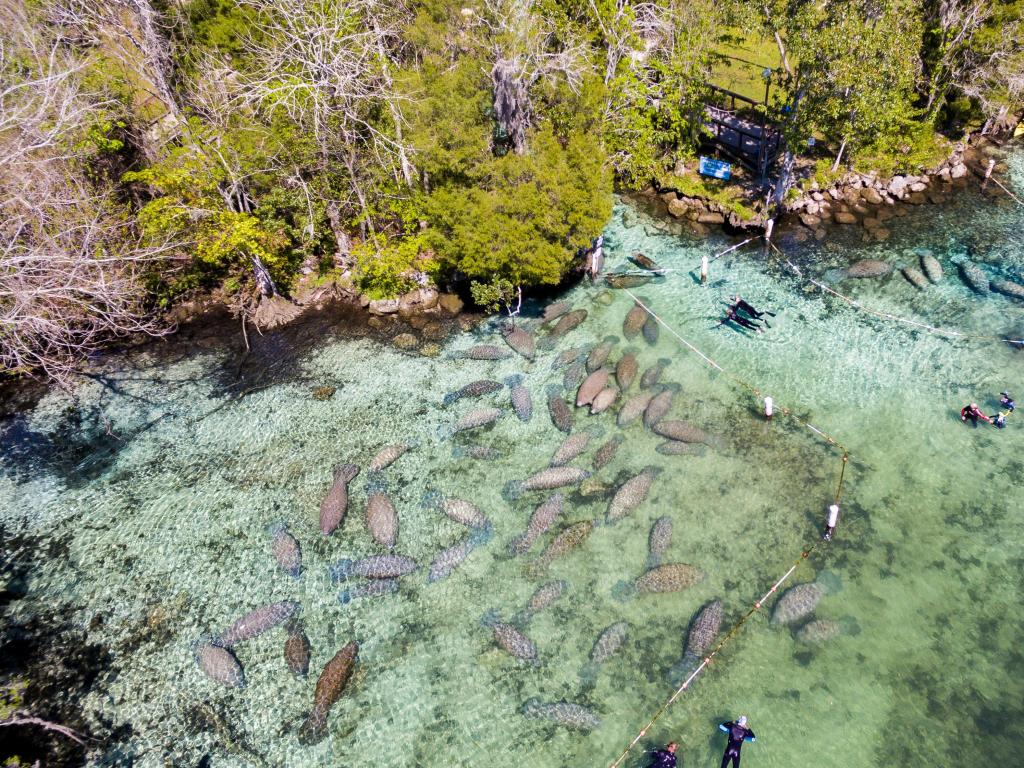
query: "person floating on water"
740, 305
665, 758
973, 413
738, 733
730, 315
999, 419
1006, 401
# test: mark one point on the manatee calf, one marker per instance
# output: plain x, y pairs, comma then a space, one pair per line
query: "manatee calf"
608, 642
868, 268
452, 557
554, 477
634, 321
486, 352
974, 277
562, 713
514, 642
567, 356
477, 418
651, 330
219, 664
566, 541
257, 622
286, 549
520, 340
796, 602
568, 322
335, 503
541, 519
572, 447
702, 632
374, 588
653, 374
658, 540
818, 631
624, 280
659, 406
373, 567
684, 432
679, 448
382, 520
914, 277
462, 511
522, 402
626, 370
561, 413
387, 456
574, 374
604, 400
543, 597
591, 386
473, 389
931, 266
479, 452
634, 407
671, 577
555, 310
631, 494
329, 687
607, 452
296, 650
599, 354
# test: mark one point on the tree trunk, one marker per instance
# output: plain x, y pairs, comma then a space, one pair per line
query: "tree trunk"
839, 155
511, 103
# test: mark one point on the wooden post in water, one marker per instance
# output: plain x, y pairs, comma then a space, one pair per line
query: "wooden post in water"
703, 269
988, 171
768, 229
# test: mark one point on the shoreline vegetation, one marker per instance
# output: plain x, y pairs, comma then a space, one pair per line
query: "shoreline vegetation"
162, 156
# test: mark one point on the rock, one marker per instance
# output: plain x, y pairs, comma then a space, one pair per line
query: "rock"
430, 350
918, 186
630, 217
810, 221
384, 306
699, 229
434, 331
817, 197
944, 175
871, 223
836, 194
405, 341
418, 321
820, 234
364, 300
871, 196
711, 217
677, 207
897, 186
844, 217
376, 323
812, 208
881, 234
883, 214
916, 198
324, 393
861, 210
958, 171
450, 303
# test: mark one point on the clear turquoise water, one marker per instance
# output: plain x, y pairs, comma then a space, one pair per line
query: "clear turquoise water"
160, 538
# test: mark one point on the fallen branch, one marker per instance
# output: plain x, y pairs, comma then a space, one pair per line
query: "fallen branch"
63, 730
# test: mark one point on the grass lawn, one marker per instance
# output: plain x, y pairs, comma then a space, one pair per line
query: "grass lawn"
744, 58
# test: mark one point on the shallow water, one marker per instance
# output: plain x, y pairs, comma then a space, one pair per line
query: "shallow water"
143, 544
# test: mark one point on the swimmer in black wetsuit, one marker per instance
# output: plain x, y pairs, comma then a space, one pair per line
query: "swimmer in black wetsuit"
739, 304
738, 733
665, 758
730, 314
973, 413
1006, 401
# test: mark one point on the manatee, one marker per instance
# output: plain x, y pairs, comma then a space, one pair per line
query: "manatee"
651, 330
574, 374
974, 277
329, 687
599, 354
591, 386
567, 356
452, 557
868, 268
1008, 288
286, 550
335, 503
520, 340
634, 321
219, 664
480, 452
561, 413
568, 322
296, 650
914, 277
382, 520
473, 389
796, 602
572, 447
542, 597
631, 494
522, 402
373, 567
634, 407
563, 713
652, 375
556, 310
554, 477
604, 400
660, 404
668, 578
818, 631
541, 519
684, 432
374, 588
931, 266
566, 541
626, 370
703, 631
608, 642
257, 622
477, 418
624, 280
387, 456
486, 352
462, 511
607, 452
594, 486
678, 448
644, 262
658, 540
514, 642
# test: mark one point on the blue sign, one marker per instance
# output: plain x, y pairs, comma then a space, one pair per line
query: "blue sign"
718, 169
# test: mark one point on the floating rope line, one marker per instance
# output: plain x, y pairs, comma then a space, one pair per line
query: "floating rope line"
999, 184
888, 315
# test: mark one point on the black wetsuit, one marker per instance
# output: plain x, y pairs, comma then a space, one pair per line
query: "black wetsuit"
1007, 402
749, 309
737, 735
731, 315
663, 759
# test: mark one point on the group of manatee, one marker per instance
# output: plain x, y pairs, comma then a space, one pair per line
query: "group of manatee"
594, 385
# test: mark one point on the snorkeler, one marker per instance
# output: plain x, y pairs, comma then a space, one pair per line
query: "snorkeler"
738, 733
730, 314
1006, 401
739, 304
973, 413
999, 419
665, 758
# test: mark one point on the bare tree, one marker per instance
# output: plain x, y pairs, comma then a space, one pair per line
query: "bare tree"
954, 24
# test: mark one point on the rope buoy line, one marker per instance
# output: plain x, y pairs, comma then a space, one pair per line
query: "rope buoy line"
999, 184
888, 316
